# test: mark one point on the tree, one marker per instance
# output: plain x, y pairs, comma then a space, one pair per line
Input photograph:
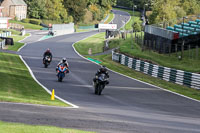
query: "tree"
56, 11
191, 6
76, 8
163, 10
137, 27
36, 8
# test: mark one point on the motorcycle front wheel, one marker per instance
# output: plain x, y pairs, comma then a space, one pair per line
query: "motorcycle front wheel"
100, 88
95, 88
60, 78
45, 65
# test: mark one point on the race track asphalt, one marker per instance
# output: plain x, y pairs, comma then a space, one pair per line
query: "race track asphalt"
126, 105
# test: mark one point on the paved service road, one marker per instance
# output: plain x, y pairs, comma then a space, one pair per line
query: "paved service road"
126, 105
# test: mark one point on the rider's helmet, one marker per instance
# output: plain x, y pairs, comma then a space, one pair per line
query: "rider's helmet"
64, 60
103, 69
48, 50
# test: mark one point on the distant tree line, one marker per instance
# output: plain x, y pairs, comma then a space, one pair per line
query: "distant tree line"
164, 10
68, 10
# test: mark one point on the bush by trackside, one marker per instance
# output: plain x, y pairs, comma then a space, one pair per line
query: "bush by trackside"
26, 20
35, 21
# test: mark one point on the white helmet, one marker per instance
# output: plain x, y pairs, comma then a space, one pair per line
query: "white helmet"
64, 60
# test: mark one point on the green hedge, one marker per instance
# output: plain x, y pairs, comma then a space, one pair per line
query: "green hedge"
26, 20
35, 21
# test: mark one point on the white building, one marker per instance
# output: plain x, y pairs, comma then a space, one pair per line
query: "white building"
4, 24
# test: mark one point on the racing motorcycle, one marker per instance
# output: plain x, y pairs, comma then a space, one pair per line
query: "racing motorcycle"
62, 70
46, 61
101, 82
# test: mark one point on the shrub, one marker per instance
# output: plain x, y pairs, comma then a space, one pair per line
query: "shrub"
47, 22
136, 27
35, 21
25, 20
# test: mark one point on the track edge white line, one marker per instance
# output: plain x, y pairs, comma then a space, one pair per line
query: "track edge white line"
48, 91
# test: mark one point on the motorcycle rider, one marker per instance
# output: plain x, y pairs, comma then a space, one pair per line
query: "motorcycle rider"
47, 53
101, 70
63, 61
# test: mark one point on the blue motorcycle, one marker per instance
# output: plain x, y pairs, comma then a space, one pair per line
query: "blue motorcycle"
62, 70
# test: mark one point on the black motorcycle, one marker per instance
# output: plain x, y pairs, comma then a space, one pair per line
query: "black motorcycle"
46, 61
101, 82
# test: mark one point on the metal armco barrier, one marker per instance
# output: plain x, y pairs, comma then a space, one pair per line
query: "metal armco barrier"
180, 77
5, 34
2, 44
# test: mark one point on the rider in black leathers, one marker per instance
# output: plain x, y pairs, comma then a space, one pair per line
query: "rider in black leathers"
47, 53
99, 72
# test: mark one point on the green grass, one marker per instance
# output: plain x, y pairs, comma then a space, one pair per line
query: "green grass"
6, 127
110, 18
107, 61
172, 61
17, 44
27, 25
17, 85
95, 43
15, 47
47, 22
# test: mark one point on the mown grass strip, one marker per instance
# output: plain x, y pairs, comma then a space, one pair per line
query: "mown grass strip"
6, 127
17, 85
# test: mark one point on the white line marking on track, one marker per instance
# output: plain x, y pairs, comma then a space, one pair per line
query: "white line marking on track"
24, 43
48, 91
33, 76
36, 105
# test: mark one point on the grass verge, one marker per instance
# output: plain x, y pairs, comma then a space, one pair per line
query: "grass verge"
17, 85
95, 43
172, 61
6, 127
17, 44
